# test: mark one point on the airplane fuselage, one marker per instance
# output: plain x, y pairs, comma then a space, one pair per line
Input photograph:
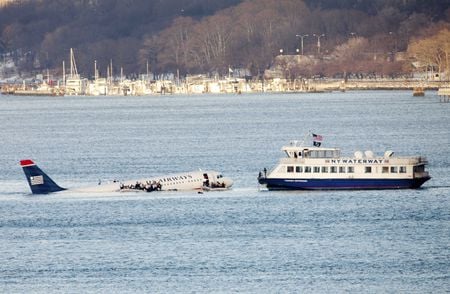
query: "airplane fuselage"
195, 180
41, 183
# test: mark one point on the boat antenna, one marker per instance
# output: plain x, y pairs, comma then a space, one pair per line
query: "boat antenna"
304, 138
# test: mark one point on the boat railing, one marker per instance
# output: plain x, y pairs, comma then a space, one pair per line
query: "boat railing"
423, 159
288, 160
415, 160
422, 174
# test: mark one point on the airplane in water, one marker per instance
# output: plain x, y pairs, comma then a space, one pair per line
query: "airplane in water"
41, 183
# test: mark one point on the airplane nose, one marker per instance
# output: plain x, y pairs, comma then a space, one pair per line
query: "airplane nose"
228, 182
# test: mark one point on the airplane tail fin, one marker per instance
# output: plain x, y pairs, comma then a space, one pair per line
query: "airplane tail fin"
39, 182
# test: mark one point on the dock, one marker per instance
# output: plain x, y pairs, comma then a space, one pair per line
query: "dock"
444, 94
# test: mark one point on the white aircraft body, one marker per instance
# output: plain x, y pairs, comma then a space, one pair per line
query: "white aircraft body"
41, 183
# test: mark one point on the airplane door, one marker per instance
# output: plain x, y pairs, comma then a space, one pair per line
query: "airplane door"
205, 180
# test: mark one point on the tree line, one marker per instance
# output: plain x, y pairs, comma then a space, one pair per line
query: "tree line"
198, 36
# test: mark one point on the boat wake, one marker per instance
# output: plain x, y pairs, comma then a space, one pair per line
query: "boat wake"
435, 187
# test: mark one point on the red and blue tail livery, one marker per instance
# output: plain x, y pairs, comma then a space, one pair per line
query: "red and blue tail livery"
40, 182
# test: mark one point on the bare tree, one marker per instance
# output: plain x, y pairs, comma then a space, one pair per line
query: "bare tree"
349, 55
173, 45
433, 52
212, 38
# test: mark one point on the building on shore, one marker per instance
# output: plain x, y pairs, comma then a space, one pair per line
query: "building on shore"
4, 3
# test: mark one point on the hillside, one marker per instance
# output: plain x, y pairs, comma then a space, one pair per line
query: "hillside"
194, 36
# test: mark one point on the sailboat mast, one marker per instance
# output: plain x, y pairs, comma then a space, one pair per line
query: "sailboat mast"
111, 70
73, 65
95, 70
64, 72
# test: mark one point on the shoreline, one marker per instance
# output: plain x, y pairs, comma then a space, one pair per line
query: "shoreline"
227, 86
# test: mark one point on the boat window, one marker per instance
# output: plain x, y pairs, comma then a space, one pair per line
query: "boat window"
316, 169
307, 169
368, 169
290, 169
324, 169
402, 169
419, 169
333, 169
322, 154
394, 169
341, 169
385, 169
299, 169
350, 169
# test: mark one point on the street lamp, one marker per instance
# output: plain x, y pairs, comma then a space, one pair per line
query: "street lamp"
281, 51
301, 38
318, 41
394, 45
394, 37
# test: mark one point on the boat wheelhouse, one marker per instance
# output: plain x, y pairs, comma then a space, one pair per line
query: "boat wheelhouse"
309, 168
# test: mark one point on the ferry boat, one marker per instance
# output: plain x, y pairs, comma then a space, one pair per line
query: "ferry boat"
316, 168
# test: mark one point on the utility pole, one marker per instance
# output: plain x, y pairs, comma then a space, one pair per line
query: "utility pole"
318, 41
301, 42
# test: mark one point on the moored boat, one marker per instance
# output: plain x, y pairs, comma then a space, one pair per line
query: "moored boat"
418, 91
315, 168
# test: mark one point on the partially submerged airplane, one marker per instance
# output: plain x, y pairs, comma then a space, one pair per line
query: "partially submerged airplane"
41, 183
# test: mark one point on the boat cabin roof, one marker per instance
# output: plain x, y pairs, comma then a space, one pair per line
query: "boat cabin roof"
311, 152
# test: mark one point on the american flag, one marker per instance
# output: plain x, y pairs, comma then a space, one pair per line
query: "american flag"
37, 180
317, 137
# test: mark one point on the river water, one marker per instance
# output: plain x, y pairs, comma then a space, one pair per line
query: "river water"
242, 240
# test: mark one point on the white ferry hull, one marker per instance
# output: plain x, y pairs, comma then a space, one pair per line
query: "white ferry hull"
341, 184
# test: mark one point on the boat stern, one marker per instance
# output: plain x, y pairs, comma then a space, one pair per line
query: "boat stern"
420, 179
262, 177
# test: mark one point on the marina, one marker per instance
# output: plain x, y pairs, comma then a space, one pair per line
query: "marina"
73, 84
118, 86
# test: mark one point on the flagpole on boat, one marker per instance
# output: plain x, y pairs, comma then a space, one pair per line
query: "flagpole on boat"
304, 138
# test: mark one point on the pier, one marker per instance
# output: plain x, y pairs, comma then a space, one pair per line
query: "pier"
444, 94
